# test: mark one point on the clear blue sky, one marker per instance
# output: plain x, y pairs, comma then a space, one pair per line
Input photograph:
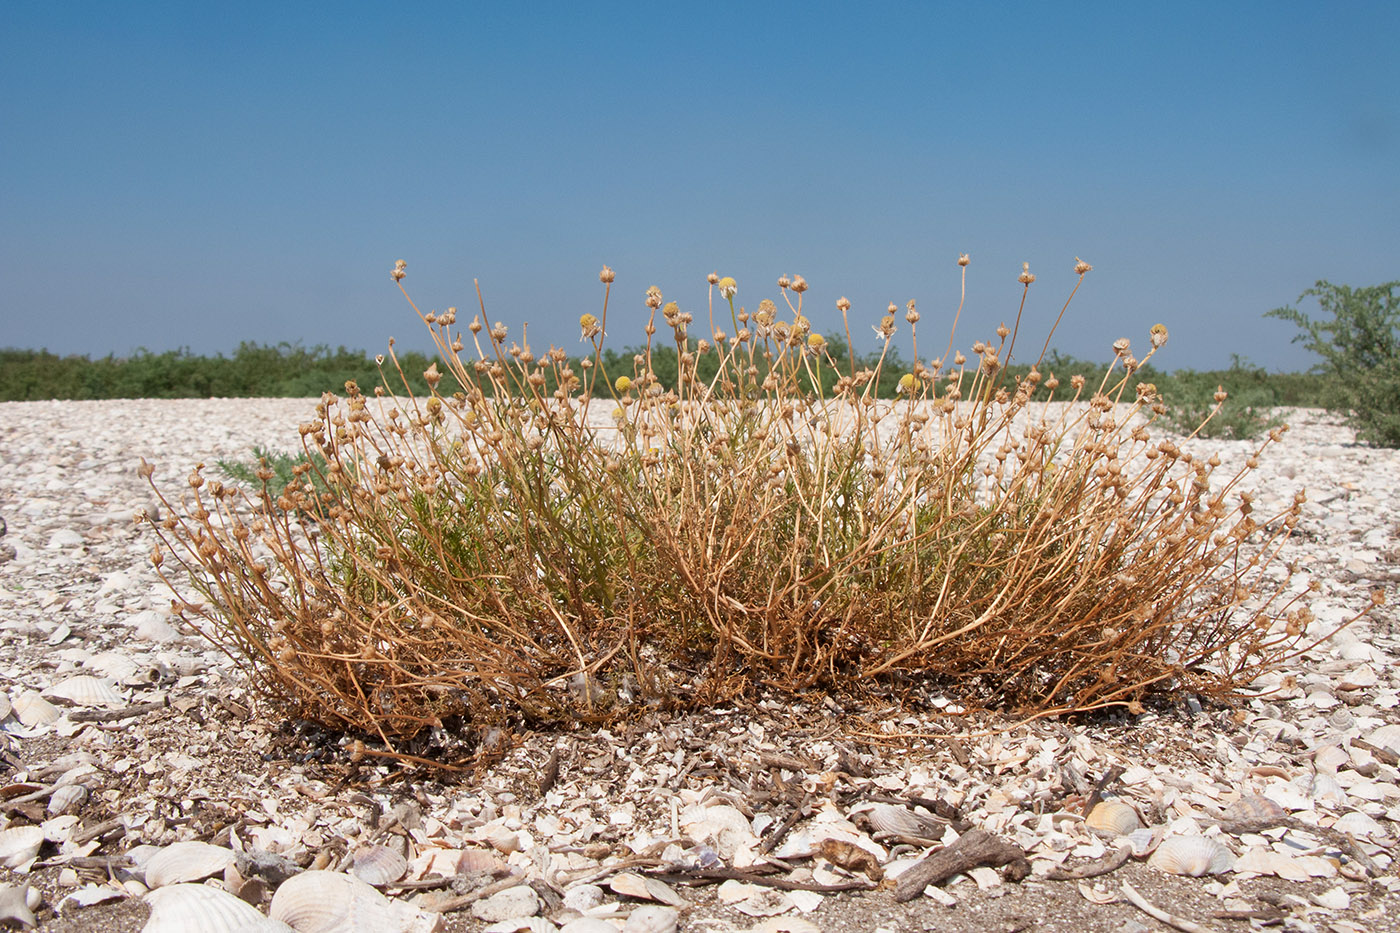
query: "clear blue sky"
198, 174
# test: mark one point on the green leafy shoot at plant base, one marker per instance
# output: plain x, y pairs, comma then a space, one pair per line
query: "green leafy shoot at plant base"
546, 538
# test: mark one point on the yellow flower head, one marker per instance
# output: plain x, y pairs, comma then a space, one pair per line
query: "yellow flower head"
728, 287
906, 383
1158, 334
816, 341
622, 384
589, 325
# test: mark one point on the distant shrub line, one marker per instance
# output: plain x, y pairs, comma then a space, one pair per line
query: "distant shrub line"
287, 370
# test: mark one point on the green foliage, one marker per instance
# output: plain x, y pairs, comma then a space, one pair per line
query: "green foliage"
1360, 348
285, 370
272, 470
1245, 412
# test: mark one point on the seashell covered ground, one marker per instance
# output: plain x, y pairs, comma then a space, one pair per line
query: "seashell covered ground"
145, 788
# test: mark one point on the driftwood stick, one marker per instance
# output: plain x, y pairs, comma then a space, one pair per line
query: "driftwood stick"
1099, 866
1157, 913
113, 715
713, 875
974, 848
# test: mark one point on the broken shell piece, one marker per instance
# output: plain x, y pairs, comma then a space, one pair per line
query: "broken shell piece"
1263, 861
86, 690
379, 865
330, 902
197, 908
652, 919
66, 798
785, 925
649, 889
19, 903
1143, 842
33, 710
4, 704
526, 925
19, 846
1191, 855
186, 861
112, 664
1113, 817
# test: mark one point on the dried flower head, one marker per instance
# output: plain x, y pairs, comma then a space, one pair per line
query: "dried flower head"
1003, 331
1081, 267
399, 272
784, 281
728, 287
1120, 346
911, 314
712, 278
607, 275
799, 284
1025, 278
589, 326
963, 259
1220, 395
1158, 335
843, 304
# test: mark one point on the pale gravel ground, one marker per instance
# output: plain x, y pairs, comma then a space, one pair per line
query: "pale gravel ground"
71, 467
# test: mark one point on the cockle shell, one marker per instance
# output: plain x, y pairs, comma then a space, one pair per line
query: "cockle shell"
379, 865
1191, 855
19, 846
66, 798
651, 919
113, 664
33, 710
86, 690
1254, 813
186, 861
197, 908
1262, 861
1113, 817
330, 902
901, 821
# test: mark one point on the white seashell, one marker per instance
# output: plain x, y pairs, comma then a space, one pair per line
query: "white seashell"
19, 846
33, 710
1359, 678
651, 919
379, 865
86, 690
1264, 861
888, 818
1386, 737
186, 861
1321, 786
1255, 812
785, 925
1191, 855
1143, 842
4, 704
67, 798
1113, 817
113, 665
588, 925
648, 889
18, 904
583, 897
331, 902
197, 908
1357, 823
526, 925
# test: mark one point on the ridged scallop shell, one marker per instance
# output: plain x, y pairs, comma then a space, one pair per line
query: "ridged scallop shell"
86, 690
330, 902
113, 664
1191, 855
1254, 813
1113, 817
197, 908
379, 865
1386, 737
186, 861
20, 845
33, 710
67, 798
901, 821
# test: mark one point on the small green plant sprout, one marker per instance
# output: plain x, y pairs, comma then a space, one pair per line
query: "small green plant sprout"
762, 521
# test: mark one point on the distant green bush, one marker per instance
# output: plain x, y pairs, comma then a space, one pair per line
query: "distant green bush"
1360, 350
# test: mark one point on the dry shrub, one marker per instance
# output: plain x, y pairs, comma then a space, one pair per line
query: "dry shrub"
497, 550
